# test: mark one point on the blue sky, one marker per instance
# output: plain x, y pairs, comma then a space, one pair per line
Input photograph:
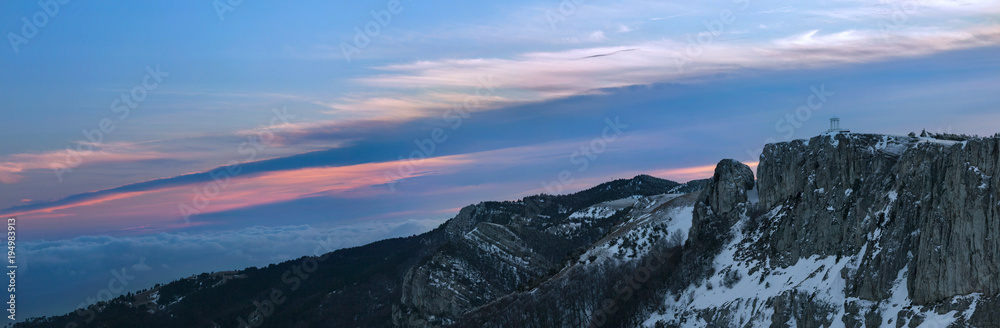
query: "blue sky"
510, 91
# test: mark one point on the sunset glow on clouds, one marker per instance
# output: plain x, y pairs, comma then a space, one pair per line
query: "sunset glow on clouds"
696, 172
237, 191
68, 159
551, 75
166, 207
492, 101
335, 147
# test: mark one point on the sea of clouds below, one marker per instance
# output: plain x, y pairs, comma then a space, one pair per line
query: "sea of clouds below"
55, 277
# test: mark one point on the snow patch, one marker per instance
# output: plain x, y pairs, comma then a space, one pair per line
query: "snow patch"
930, 140
745, 301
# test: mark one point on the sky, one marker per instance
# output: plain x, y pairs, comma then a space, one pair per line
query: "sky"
169, 139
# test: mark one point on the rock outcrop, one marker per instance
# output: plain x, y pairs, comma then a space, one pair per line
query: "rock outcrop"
952, 197
723, 200
858, 230
928, 205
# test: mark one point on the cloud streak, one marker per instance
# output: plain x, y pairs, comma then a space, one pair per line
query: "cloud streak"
285, 179
263, 187
543, 76
13, 168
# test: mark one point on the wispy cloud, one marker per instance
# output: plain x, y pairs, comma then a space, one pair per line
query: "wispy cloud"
264, 183
398, 93
782, 9
245, 190
13, 167
540, 76
669, 17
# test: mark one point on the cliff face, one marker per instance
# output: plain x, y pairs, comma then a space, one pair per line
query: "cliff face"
850, 229
926, 204
725, 197
954, 202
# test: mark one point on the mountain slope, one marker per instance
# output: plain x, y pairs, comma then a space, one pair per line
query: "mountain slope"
501, 246
623, 268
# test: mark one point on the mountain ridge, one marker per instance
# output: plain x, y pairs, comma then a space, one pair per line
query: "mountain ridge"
184, 302
839, 230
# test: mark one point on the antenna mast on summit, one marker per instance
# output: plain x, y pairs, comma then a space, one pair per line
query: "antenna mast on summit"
835, 126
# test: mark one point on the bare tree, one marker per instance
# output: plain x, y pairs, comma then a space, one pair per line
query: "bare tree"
677, 238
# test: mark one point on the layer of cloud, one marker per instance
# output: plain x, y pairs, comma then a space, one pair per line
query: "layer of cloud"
14, 166
694, 172
541, 76
227, 188
415, 90
259, 183
57, 276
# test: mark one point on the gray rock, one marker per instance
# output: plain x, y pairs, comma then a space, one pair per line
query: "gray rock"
931, 207
722, 201
803, 308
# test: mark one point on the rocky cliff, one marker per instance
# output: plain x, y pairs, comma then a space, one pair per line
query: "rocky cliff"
852, 230
927, 204
726, 197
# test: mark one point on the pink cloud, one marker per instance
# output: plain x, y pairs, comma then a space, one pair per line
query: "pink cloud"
693, 172
13, 166
160, 207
